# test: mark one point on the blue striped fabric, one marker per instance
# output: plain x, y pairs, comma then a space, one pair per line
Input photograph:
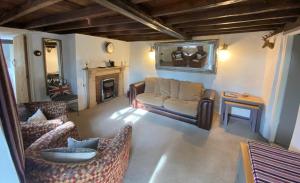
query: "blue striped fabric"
271, 164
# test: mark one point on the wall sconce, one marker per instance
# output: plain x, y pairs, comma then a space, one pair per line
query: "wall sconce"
223, 53
152, 53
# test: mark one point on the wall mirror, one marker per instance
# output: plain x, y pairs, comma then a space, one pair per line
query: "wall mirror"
53, 63
187, 56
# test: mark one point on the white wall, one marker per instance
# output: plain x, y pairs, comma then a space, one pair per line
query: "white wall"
243, 72
91, 50
8, 172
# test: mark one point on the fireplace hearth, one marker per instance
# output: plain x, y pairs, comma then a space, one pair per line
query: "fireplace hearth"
108, 89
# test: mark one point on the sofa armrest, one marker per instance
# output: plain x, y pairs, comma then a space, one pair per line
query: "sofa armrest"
206, 109
135, 89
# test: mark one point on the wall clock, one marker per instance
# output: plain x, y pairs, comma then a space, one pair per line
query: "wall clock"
109, 47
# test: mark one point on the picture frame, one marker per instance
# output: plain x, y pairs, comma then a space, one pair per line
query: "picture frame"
187, 56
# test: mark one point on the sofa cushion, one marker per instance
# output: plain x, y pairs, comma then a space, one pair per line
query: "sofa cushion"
164, 86
184, 107
152, 85
151, 98
174, 88
190, 91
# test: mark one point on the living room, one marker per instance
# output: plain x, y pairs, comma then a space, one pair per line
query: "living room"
175, 93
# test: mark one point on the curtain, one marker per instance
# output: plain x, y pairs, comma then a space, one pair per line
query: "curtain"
10, 120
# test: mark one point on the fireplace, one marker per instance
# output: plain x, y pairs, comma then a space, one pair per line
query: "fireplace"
108, 89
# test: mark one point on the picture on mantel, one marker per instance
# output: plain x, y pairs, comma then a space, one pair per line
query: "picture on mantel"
191, 56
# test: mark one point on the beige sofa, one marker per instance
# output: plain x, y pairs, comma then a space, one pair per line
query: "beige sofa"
182, 100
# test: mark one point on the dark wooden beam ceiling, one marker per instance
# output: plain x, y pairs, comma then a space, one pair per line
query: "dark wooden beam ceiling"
143, 37
277, 23
25, 9
232, 31
93, 22
271, 6
270, 16
130, 11
263, 27
126, 32
123, 27
88, 12
191, 6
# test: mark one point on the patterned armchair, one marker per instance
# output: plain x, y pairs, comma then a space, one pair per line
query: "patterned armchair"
108, 166
54, 111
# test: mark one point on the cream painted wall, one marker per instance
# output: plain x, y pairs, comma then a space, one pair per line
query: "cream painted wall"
243, 72
91, 50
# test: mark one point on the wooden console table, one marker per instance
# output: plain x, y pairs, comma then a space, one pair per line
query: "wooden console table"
236, 100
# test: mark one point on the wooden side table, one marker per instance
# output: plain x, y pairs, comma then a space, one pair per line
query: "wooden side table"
252, 103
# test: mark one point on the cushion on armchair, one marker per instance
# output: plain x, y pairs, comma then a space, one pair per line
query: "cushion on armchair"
164, 87
91, 143
37, 116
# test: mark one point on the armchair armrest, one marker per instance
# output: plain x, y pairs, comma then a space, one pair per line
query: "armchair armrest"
206, 109
55, 138
32, 132
135, 89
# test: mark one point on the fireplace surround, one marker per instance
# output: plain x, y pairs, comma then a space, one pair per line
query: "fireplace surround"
95, 78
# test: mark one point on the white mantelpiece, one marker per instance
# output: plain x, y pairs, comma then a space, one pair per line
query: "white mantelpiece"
93, 73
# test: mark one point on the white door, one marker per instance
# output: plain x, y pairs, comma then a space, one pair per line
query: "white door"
21, 65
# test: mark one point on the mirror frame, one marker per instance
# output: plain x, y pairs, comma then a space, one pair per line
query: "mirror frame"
45, 65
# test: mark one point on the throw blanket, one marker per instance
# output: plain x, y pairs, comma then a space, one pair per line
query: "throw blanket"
274, 164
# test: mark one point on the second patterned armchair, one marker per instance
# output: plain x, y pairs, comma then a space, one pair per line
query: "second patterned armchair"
56, 112
108, 166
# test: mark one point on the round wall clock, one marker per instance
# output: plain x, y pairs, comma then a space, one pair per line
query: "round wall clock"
109, 47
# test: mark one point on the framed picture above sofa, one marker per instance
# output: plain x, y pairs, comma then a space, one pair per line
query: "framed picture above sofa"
189, 56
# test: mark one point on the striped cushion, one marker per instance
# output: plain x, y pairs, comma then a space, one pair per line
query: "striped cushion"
274, 164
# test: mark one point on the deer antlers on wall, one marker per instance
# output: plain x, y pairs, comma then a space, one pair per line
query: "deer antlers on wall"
267, 42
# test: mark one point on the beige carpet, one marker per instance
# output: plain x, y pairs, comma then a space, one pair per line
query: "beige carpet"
166, 150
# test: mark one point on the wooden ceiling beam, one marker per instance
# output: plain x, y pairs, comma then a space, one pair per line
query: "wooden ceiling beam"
191, 6
272, 16
235, 11
232, 31
129, 10
237, 25
85, 13
127, 32
271, 27
124, 27
143, 38
25, 9
291, 26
139, 1
94, 22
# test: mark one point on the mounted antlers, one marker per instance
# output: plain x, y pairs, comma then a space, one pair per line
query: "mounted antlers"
267, 42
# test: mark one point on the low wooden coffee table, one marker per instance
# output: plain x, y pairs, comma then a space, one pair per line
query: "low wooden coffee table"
236, 100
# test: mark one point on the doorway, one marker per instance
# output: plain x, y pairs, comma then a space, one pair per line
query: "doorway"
291, 99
